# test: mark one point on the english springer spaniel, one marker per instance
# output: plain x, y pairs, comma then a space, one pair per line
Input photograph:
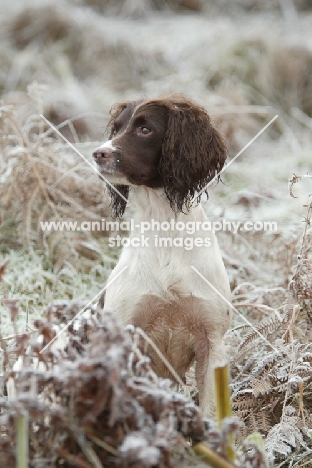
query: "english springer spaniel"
163, 153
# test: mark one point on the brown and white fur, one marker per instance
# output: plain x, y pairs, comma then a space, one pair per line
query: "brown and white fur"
165, 151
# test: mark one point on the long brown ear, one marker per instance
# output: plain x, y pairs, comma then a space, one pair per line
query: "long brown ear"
114, 112
193, 153
118, 203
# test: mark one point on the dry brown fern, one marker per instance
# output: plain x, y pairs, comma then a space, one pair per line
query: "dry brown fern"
98, 403
45, 181
272, 388
261, 399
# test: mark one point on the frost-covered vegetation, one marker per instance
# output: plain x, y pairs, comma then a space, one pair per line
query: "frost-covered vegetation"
246, 62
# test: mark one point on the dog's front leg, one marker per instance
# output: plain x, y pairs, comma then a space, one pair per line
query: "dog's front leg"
209, 355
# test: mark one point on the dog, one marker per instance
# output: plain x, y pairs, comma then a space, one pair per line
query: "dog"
160, 155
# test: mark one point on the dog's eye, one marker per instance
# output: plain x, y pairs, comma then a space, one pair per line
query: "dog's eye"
145, 130
114, 129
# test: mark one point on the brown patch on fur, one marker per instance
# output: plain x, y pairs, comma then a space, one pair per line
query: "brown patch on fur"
181, 330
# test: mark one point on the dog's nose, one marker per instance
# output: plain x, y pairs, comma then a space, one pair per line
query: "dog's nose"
102, 153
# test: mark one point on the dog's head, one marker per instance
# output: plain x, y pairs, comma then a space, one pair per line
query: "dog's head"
169, 143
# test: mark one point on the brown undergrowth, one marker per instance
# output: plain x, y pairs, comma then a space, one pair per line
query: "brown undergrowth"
272, 386
98, 403
45, 181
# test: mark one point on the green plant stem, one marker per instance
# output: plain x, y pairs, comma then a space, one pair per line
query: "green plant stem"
223, 404
210, 457
21, 441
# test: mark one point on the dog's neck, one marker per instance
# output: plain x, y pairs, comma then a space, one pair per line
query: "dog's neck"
148, 204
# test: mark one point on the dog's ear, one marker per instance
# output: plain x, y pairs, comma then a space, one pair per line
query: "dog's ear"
114, 113
193, 153
119, 197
